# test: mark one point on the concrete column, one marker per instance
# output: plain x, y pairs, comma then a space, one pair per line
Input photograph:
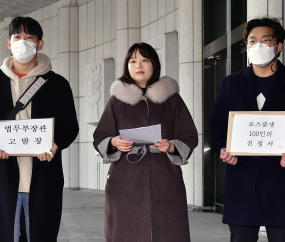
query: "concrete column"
5, 35
68, 64
128, 29
190, 81
99, 76
1, 41
264, 8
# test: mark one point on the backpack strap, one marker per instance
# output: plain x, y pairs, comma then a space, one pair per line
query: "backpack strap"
26, 98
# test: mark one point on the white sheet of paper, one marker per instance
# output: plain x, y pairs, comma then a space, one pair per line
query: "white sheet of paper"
258, 134
37, 139
142, 135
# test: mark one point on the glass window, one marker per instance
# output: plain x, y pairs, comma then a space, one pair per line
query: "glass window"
214, 73
239, 57
216, 68
215, 16
238, 13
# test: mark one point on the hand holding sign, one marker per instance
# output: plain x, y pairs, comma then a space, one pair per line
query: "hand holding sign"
282, 162
227, 158
46, 156
42, 157
3, 155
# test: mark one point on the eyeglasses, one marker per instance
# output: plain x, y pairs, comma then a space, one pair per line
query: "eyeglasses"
265, 40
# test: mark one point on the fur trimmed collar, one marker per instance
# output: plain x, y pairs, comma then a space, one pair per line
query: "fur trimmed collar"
158, 92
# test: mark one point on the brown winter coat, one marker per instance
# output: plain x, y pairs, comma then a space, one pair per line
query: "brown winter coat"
146, 200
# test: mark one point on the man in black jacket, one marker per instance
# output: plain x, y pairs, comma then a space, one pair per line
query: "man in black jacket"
254, 186
34, 184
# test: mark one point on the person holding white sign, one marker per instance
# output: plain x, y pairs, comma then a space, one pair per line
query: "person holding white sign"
34, 183
254, 185
145, 193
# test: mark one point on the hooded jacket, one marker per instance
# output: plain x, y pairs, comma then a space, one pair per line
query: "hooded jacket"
18, 87
53, 100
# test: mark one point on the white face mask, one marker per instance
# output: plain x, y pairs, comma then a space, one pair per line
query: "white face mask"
261, 54
23, 50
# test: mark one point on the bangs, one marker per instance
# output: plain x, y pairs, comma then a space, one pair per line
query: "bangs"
143, 51
19, 28
26, 24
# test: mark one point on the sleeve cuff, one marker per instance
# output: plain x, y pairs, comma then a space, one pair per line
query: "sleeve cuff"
111, 150
103, 148
183, 150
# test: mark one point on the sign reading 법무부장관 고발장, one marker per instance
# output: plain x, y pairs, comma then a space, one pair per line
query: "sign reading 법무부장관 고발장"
257, 133
27, 137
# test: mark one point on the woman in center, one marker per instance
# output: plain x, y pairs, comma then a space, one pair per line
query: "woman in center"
145, 194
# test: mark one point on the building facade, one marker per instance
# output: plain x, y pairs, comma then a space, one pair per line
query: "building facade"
198, 42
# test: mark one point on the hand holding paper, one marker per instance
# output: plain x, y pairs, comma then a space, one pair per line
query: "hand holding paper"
122, 145
164, 146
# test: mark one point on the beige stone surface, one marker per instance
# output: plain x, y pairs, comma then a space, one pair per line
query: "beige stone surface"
46, 12
64, 35
275, 8
256, 9
99, 22
54, 37
198, 97
47, 37
83, 30
198, 173
145, 12
107, 21
91, 25
134, 15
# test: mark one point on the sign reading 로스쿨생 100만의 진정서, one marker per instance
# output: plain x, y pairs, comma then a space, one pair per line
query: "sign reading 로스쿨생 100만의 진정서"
257, 133
27, 137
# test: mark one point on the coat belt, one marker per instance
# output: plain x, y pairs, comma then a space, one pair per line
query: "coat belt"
141, 150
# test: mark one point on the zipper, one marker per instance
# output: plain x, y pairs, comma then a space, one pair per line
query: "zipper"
145, 99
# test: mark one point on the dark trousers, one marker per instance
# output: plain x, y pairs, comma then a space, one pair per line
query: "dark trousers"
250, 234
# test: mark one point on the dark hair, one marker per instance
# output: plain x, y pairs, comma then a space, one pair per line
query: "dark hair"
146, 51
278, 30
29, 25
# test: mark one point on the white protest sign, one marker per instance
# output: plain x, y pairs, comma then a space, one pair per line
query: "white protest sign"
26, 137
256, 133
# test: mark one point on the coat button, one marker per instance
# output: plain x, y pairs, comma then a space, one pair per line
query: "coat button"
256, 157
108, 176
